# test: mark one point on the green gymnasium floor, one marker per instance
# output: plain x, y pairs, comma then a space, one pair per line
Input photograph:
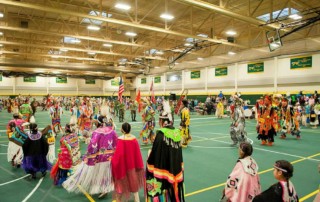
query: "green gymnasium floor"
208, 161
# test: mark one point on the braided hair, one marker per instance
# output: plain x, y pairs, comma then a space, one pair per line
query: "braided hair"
287, 171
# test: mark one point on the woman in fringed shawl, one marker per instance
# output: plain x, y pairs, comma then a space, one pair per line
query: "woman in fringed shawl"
35, 150
127, 166
243, 183
164, 173
94, 172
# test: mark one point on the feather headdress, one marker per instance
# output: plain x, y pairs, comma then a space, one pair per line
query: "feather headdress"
166, 114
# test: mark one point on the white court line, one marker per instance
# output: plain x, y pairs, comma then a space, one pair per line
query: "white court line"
210, 147
34, 189
282, 153
3, 153
4, 145
14, 180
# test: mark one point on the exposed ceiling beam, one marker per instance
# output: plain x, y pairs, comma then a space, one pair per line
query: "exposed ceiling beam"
229, 13
71, 49
114, 21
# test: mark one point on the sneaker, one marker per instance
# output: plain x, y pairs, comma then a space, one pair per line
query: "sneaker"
263, 142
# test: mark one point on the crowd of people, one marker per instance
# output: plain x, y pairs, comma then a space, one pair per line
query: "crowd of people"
113, 163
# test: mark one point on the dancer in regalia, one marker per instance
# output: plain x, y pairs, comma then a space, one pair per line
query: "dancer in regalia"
164, 173
94, 173
238, 126
55, 114
148, 120
127, 166
68, 156
185, 124
266, 122
84, 120
16, 137
35, 150
26, 110
290, 124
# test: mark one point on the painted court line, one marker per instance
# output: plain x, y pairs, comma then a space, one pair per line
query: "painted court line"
34, 189
85, 193
14, 180
3, 153
286, 154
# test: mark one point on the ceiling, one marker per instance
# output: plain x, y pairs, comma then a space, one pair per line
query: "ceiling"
34, 32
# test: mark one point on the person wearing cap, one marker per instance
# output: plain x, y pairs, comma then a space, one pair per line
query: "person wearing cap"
185, 123
35, 150
94, 172
68, 156
284, 189
26, 110
133, 109
164, 171
267, 116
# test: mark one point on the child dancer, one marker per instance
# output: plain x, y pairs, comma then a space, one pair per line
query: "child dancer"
243, 182
284, 189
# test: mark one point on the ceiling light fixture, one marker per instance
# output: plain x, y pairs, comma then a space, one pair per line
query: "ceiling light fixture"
1, 33
131, 34
231, 53
93, 27
166, 16
200, 58
55, 56
107, 45
1, 15
159, 52
91, 53
63, 50
123, 6
187, 44
231, 33
156, 67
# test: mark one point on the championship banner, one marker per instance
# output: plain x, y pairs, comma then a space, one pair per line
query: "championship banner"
90, 81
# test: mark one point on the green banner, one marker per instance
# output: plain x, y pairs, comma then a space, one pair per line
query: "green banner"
256, 67
157, 79
90, 81
143, 80
0, 77
195, 75
31, 79
114, 82
61, 80
221, 71
301, 62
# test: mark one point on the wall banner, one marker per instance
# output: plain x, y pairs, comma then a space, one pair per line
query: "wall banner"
221, 71
31, 79
61, 80
157, 79
143, 80
195, 74
301, 62
256, 67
